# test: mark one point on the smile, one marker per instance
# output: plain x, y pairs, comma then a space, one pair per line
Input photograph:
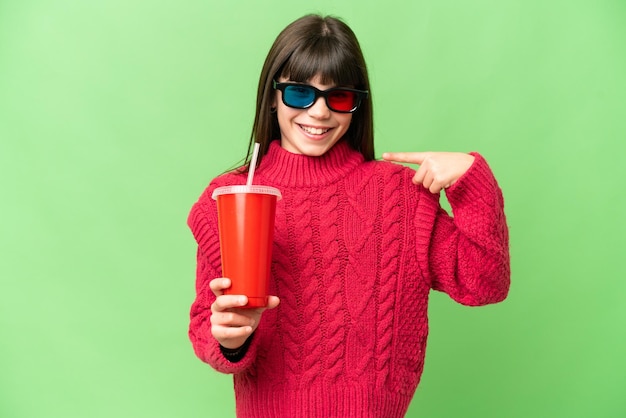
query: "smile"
314, 131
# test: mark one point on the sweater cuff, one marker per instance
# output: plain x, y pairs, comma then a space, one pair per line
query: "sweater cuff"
478, 184
235, 355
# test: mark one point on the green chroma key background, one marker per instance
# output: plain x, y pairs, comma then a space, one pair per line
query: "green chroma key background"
114, 115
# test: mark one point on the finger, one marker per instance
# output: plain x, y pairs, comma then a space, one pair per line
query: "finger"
225, 302
232, 319
272, 302
435, 188
218, 285
223, 334
431, 183
405, 157
420, 174
436, 184
428, 180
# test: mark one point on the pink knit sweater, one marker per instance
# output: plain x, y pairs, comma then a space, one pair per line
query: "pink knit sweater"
357, 249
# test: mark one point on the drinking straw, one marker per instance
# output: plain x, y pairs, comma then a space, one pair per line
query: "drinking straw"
252, 167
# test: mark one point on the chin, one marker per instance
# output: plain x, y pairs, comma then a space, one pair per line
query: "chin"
310, 148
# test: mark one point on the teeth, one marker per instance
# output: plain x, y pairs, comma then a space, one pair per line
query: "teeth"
315, 131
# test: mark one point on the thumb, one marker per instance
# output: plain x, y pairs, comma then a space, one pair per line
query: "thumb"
272, 302
405, 157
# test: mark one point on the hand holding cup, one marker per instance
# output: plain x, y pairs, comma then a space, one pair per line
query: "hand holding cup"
231, 324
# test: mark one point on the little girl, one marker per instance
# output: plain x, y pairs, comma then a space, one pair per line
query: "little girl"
358, 244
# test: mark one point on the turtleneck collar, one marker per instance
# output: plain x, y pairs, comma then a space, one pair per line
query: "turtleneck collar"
283, 168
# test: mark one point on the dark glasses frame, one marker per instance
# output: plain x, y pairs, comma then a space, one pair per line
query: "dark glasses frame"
360, 95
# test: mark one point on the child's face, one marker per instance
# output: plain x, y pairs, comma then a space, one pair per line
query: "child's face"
312, 131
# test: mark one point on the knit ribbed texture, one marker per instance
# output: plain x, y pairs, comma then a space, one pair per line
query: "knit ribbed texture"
357, 248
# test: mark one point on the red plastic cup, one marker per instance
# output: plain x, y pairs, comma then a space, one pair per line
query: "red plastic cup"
246, 228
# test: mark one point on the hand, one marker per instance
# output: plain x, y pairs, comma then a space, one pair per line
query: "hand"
438, 170
231, 325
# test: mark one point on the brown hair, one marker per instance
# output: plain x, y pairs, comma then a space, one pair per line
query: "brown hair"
307, 47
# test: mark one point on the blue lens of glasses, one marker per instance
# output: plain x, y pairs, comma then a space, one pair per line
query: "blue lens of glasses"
300, 96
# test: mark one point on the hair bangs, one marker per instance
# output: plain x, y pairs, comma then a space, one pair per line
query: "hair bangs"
323, 58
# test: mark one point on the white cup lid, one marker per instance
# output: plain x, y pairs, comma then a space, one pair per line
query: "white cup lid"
246, 189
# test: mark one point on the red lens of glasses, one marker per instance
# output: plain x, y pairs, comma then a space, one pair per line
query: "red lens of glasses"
342, 100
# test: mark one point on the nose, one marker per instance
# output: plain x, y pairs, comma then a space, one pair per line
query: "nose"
319, 110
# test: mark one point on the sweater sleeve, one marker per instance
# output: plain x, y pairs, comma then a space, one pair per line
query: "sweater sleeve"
202, 221
469, 253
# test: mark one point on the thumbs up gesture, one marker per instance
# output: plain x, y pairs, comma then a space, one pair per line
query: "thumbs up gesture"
437, 170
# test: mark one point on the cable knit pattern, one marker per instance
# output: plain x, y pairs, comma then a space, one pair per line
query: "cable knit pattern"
357, 249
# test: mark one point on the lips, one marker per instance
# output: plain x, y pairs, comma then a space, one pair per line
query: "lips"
314, 130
